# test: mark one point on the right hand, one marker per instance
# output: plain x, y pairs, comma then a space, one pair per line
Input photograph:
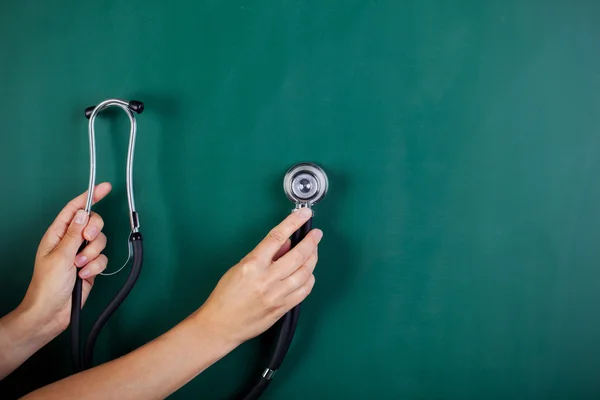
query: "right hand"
267, 283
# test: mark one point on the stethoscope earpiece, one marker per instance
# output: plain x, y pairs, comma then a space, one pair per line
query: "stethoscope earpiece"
134, 105
305, 184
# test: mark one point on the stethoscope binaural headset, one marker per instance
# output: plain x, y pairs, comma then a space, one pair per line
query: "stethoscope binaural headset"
136, 249
304, 184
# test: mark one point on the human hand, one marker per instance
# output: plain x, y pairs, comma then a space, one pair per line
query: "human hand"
267, 283
57, 261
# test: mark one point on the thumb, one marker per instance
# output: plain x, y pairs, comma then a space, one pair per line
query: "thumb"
70, 243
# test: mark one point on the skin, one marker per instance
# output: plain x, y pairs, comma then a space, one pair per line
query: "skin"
247, 301
46, 308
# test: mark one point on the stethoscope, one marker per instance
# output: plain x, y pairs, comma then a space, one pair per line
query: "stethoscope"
304, 184
136, 250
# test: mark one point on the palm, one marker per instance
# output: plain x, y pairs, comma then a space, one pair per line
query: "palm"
60, 258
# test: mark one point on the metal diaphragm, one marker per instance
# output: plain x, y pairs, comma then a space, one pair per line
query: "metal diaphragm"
305, 183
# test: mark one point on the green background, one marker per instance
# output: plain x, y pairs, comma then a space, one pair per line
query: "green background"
461, 138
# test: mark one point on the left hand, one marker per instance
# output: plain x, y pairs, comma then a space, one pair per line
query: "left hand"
57, 261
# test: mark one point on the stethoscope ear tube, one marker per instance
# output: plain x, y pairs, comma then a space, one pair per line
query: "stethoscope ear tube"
136, 267
76, 300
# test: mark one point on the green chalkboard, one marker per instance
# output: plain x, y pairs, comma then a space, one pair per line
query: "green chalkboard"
461, 256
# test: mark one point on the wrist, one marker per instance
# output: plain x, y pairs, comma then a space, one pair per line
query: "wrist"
32, 323
20, 337
206, 325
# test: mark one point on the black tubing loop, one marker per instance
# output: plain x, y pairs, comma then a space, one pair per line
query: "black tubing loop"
134, 273
286, 333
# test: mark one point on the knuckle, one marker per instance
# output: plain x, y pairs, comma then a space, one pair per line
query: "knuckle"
266, 300
72, 204
103, 259
101, 241
61, 257
99, 264
98, 218
247, 267
102, 237
306, 289
244, 270
300, 256
276, 236
312, 262
269, 303
73, 233
261, 290
96, 222
294, 282
303, 275
295, 221
248, 259
314, 240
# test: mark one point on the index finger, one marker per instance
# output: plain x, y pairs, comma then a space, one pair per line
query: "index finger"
78, 203
277, 237
60, 225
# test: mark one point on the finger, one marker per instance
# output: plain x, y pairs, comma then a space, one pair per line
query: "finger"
70, 243
88, 284
298, 295
66, 215
267, 249
91, 251
94, 227
57, 230
284, 249
94, 267
299, 277
297, 256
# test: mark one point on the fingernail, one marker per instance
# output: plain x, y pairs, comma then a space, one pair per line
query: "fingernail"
92, 232
80, 217
305, 212
80, 260
318, 234
85, 273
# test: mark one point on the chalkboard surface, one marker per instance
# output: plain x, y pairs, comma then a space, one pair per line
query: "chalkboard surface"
461, 256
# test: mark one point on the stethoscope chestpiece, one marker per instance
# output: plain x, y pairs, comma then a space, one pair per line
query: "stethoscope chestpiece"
305, 184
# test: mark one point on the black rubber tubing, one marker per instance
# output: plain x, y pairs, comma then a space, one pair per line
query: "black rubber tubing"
287, 329
75, 325
294, 312
76, 299
134, 273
